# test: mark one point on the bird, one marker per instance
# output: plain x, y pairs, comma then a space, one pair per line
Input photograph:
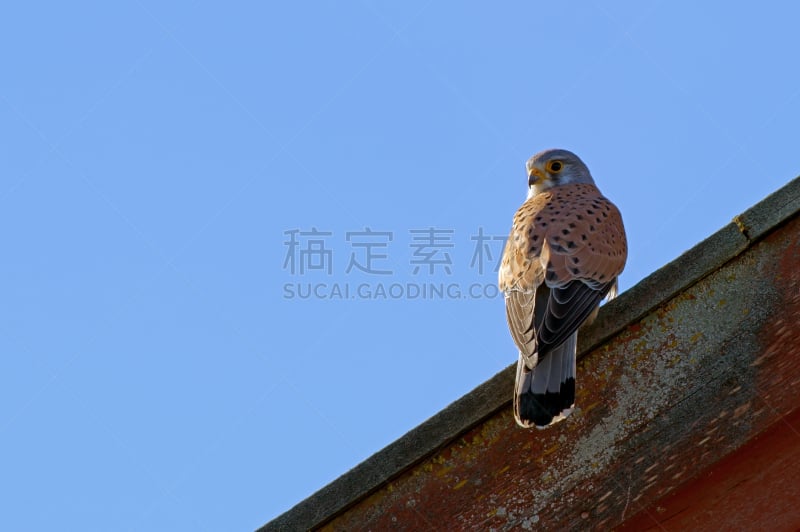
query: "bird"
564, 254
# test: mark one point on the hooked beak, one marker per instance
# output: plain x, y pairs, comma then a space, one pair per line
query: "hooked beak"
535, 175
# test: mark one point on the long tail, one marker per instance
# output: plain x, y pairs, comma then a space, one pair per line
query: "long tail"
546, 395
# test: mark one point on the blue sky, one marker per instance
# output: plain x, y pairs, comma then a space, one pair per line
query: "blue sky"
162, 166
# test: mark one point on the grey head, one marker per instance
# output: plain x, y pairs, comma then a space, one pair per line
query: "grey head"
551, 168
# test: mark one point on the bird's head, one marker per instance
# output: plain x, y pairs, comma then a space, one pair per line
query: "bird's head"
551, 168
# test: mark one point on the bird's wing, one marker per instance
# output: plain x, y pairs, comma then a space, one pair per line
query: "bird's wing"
566, 309
519, 313
521, 273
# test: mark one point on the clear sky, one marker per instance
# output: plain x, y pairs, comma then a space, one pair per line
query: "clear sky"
175, 177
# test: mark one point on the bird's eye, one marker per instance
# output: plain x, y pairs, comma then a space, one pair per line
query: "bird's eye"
555, 166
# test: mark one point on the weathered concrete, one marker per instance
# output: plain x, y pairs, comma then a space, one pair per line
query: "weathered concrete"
676, 373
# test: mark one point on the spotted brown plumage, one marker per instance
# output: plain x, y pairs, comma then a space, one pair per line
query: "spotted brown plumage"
566, 249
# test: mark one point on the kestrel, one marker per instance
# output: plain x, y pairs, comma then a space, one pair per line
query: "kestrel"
565, 251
